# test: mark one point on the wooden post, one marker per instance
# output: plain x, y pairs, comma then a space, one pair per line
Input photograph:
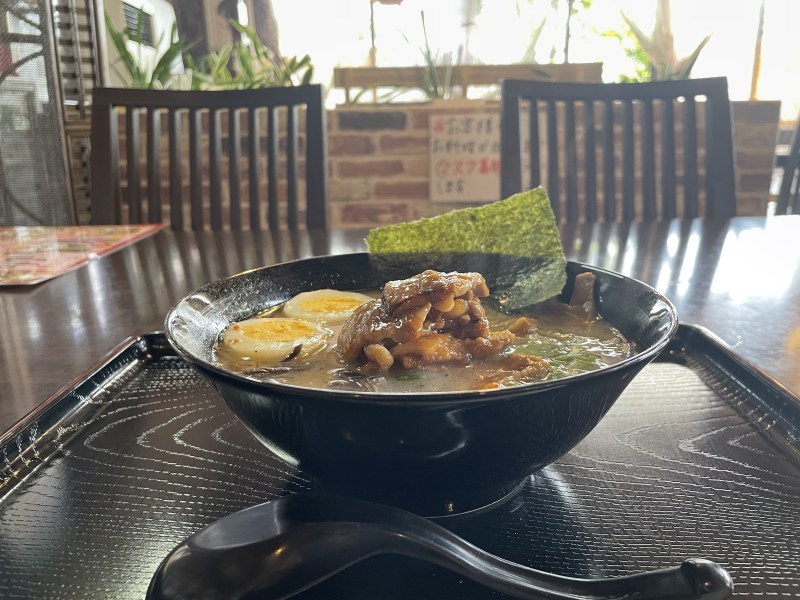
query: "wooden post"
757, 54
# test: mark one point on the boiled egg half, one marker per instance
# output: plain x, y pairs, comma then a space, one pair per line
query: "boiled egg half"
326, 306
273, 339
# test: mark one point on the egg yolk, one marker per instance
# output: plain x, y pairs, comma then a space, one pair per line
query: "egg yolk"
284, 330
329, 304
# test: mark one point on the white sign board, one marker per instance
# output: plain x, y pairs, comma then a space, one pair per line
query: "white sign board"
464, 157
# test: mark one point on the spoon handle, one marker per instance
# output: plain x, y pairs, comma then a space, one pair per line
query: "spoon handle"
693, 579
388, 530
279, 548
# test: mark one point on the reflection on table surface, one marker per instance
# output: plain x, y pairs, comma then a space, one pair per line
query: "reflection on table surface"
739, 278
31, 255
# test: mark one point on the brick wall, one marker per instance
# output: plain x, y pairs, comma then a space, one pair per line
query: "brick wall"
379, 164
755, 131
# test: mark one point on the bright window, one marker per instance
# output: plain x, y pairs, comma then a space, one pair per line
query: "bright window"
338, 34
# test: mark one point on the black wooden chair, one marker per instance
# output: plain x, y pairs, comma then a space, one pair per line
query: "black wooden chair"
789, 194
285, 150
620, 151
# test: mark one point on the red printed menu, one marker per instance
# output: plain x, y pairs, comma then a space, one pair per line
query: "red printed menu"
30, 255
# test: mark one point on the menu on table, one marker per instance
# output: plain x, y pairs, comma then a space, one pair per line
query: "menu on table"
30, 255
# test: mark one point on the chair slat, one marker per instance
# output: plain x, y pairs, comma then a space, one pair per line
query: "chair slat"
253, 171
273, 140
789, 193
710, 167
609, 163
291, 165
723, 201
175, 170
154, 210
195, 168
106, 193
511, 147
215, 168
535, 150
316, 162
628, 163
668, 172
134, 158
589, 152
571, 147
235, 148
649, 208
690, 175
553, 182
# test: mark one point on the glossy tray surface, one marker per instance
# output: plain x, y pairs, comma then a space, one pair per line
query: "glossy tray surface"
700, 457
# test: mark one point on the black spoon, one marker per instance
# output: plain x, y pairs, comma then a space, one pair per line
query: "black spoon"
280, 548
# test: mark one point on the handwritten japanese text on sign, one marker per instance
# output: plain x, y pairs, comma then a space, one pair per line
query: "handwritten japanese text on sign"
465, 157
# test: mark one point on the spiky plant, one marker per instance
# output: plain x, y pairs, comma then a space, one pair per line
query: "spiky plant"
660, 46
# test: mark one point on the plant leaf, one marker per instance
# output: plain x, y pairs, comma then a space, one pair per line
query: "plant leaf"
307, 76
126, 57
647, 44
162, 71
685, 65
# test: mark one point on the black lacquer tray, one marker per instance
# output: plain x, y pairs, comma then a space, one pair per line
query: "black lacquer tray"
700, 457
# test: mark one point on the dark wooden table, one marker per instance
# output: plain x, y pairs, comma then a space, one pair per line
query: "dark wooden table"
698, 460
739, 278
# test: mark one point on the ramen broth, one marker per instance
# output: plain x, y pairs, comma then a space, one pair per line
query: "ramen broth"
569, 343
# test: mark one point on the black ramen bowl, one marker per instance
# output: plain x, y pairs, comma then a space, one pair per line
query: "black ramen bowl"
437, 453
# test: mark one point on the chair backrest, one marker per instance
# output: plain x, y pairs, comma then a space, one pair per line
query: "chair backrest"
627, 150
789, 194
188, 146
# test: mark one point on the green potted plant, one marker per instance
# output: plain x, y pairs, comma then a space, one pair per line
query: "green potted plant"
249, 63
659, 47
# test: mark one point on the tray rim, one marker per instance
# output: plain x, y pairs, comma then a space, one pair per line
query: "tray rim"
54, 399
20, 447
727, 350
